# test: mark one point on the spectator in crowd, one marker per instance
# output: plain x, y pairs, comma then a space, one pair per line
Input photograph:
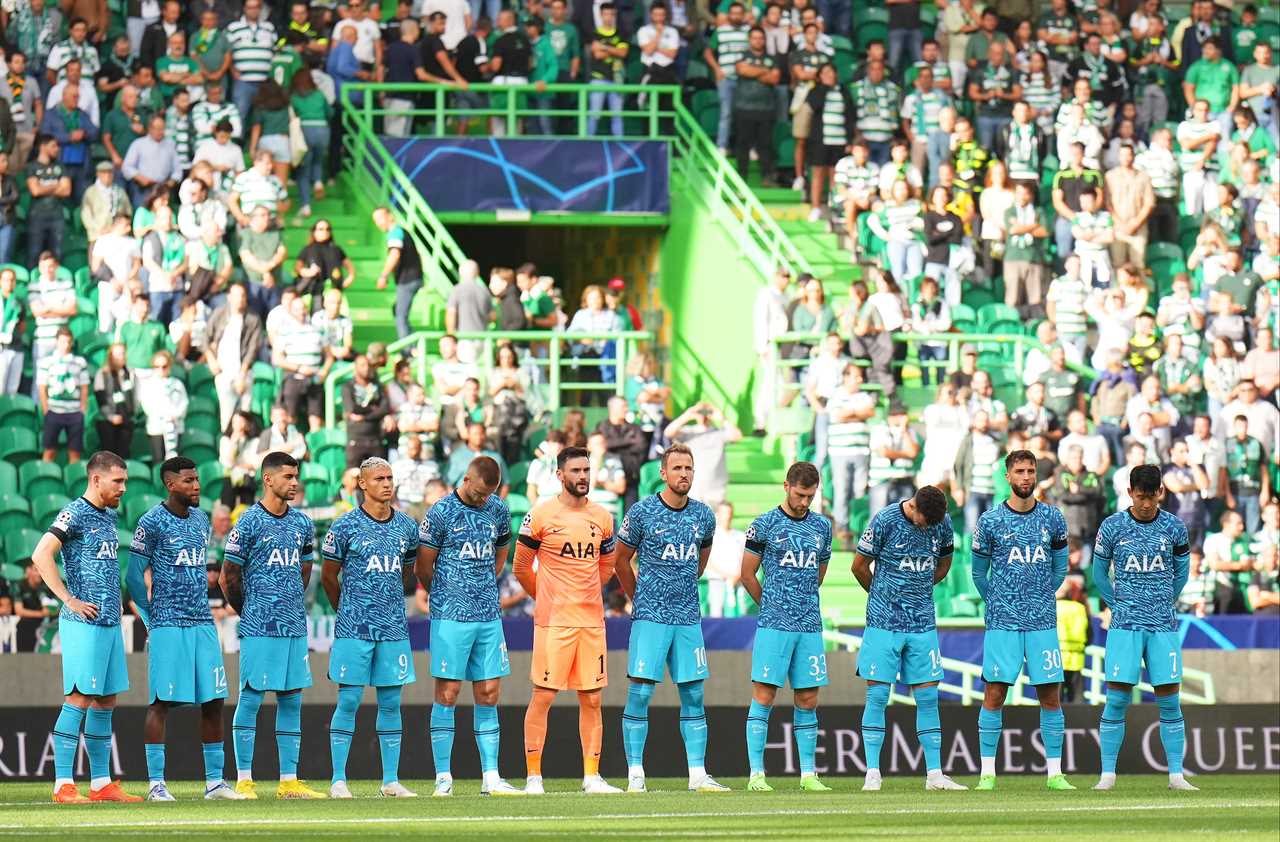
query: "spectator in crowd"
542, 482
63, 380
48, 183
164, 257
848, 410
724, 566
1078, 492
300, 353
608, 479
1130, 200
705, 430
973, 473
34, 600
257, 187
1024, 255
1249, 481
1186, 484
282, 435
946, 422
475, 444
411, 470
1264, 586
163, 400
404, 263
727, 46
930, 314
1135, 454
822, 378
262, 253
102, 202
234, 340
52, 301
645, 393
894, 448
12, 322
883, 314
114, 388
417, 418
627, 441
1181, 314
367, 412
945, 249
769, 321
1096, 451
755, 106
593, 317
238, 453
1228, 555
1263, 418
1164, 417
152, 160
508, 415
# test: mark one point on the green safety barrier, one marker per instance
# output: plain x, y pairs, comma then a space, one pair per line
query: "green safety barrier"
421, 346
705, 172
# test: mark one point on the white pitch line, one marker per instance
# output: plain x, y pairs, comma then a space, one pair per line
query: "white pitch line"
265, 822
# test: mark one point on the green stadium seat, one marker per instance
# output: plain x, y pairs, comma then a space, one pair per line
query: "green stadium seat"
137, 506
333, 458
517, 475
19, 544
200, 381
310, 470
318, 440
45, 508
212, 478
19, 411
18, 445
201, 403
998, 312
871, 25
963, 318
206, 423
318, 492
37, 479
518, 504
138, 472
74, 476
8, 478
14, 519
140, 445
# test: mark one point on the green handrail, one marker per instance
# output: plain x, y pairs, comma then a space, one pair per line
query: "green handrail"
380, 180
417, 345
694, 155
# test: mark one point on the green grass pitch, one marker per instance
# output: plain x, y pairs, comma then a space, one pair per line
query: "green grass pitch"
1244, 807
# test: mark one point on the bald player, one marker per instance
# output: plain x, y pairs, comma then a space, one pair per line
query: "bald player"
573, 542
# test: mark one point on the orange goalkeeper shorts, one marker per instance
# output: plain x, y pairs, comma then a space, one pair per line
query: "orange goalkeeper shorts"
569, 658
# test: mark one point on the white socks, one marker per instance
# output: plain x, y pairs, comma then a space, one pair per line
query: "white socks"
988, 765
61, 782
98, 783
244, 775
288, 778
1053, 766
638, 772
696, 774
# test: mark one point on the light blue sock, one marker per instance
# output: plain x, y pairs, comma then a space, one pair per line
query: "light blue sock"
389, 732
1173, 730
1052, 725
155, 762
244, 727
484, 722
441, 737
342, 727
66, 739
990, 723
635, 722
757, 734
215, 761
1111, 727
97, 742
804, 725
693, 724
928, 726
873, 723
288, 731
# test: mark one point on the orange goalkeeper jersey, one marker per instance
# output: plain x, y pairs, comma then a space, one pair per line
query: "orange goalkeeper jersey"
575, 558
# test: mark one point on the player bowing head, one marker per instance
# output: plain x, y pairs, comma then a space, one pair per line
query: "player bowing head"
265, 574
792, 546
1019, 562
372, 548
463, 544
1141, 561
93, 662
663, 547
184, 657
902, 554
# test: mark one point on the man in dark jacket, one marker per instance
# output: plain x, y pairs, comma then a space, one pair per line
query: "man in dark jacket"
628, 441
367, 408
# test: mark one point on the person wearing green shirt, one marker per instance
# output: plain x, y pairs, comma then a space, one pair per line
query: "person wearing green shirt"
123, 125
980, 42
288, 59
1245, 36
546, 69
755, 106
175, 68
1024, 251
313, 112
726, 48
1258, 84
607, 54
1216, 81
210, 49
141, 337
1257, 141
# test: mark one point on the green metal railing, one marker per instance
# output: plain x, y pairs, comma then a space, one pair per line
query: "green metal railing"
702, 168
421, 346
381, 181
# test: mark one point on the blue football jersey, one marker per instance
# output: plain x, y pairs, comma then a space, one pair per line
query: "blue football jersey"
1019, 560
1141, 568
905, 557
90, 558
373, 555
174, 548
271, 550
792, 552
668, 543
464, 586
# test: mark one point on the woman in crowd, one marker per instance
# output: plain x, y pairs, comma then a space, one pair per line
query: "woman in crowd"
238, 453
113, 386
269, 127
313, 113
593, 317
322, 260
830, 133
943, 233
996, 198
1221, 374
810, 314
509, 414
900, 223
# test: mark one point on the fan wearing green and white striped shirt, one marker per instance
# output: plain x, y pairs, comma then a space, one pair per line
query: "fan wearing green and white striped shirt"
302, 354
63, 381
849, 445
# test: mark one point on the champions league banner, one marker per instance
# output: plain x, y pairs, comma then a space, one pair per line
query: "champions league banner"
1220, 739
469, 174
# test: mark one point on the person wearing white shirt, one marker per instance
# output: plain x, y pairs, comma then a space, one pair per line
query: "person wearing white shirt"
1037, 362
88, 102
368, 48
659, 43
724, 565
769, 321
223, 156
115, 261
822, 378
457, 22
1097, 454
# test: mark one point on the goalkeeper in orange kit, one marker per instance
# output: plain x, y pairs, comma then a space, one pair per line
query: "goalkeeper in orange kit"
573, 541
